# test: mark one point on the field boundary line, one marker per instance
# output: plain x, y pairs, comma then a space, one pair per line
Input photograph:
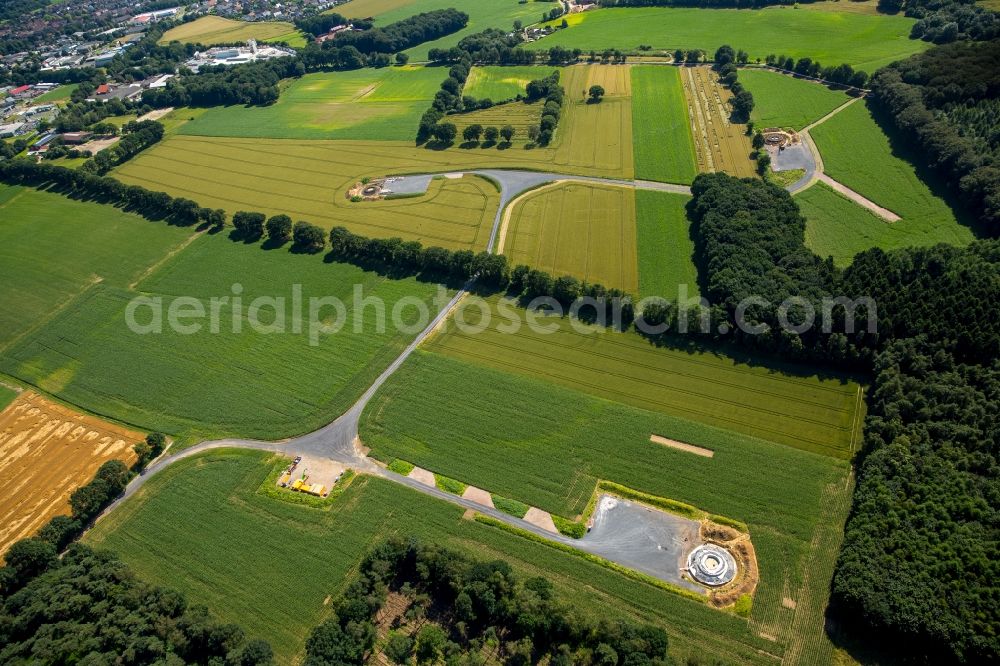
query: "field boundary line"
831, 114
858, 198
53, 313
164, 259
509, 210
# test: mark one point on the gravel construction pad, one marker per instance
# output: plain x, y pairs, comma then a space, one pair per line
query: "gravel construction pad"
796, 156
408, 185
647, 540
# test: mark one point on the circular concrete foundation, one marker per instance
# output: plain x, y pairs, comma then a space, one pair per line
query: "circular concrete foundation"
711, 565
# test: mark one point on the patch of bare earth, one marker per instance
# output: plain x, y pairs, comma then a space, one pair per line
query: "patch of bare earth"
681, 446
478, 495
46, 452
540, 518
422, 475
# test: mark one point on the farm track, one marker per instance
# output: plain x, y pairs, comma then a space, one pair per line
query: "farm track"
338, 441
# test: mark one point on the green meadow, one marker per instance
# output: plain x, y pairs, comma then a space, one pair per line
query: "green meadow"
662, 143
376, 104
482, 14
784, 101
500, 83
665, 247
202, 527
859, 154
54, 250
838, 227
246, 377
865, 41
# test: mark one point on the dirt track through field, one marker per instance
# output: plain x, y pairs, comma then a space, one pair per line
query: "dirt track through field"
46, 452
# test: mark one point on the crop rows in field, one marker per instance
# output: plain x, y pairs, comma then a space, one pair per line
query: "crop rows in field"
545, 444
859, 154
42, 272
665, 247
720, 145
803, 412
664, 148
310, 184
594, 136
587, 231
234, 381
204, 515
518, 115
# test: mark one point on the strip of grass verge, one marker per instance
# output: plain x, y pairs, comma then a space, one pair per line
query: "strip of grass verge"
669, 505
449, 485
270, 488
401, 467
567, 527
594, 559
510, 507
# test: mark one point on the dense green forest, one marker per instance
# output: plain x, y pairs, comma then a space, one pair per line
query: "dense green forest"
466, 606
918, 566
88, 608
942, 100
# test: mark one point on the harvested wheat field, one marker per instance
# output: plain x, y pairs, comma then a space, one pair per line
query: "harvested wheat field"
720, 145
46, 452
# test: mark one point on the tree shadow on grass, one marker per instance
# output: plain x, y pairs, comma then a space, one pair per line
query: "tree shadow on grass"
906, 149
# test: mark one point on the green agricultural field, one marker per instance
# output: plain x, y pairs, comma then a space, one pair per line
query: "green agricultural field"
204, 515
838, 227
54, 251
364, 104
665, 247
209, 30
784, 101
309, 181
806, 412
664, 149
482, 14
240, 379
857, 153
7, 396
862, 40
500, 83
547, 445
587, 231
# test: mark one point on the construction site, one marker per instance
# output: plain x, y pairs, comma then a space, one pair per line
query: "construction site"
312, 476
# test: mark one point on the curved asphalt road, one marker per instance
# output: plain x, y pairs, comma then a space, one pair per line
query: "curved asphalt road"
336, 441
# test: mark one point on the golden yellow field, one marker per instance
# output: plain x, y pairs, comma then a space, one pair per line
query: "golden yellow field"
209, 30
46, 452
587, 231
719, 144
